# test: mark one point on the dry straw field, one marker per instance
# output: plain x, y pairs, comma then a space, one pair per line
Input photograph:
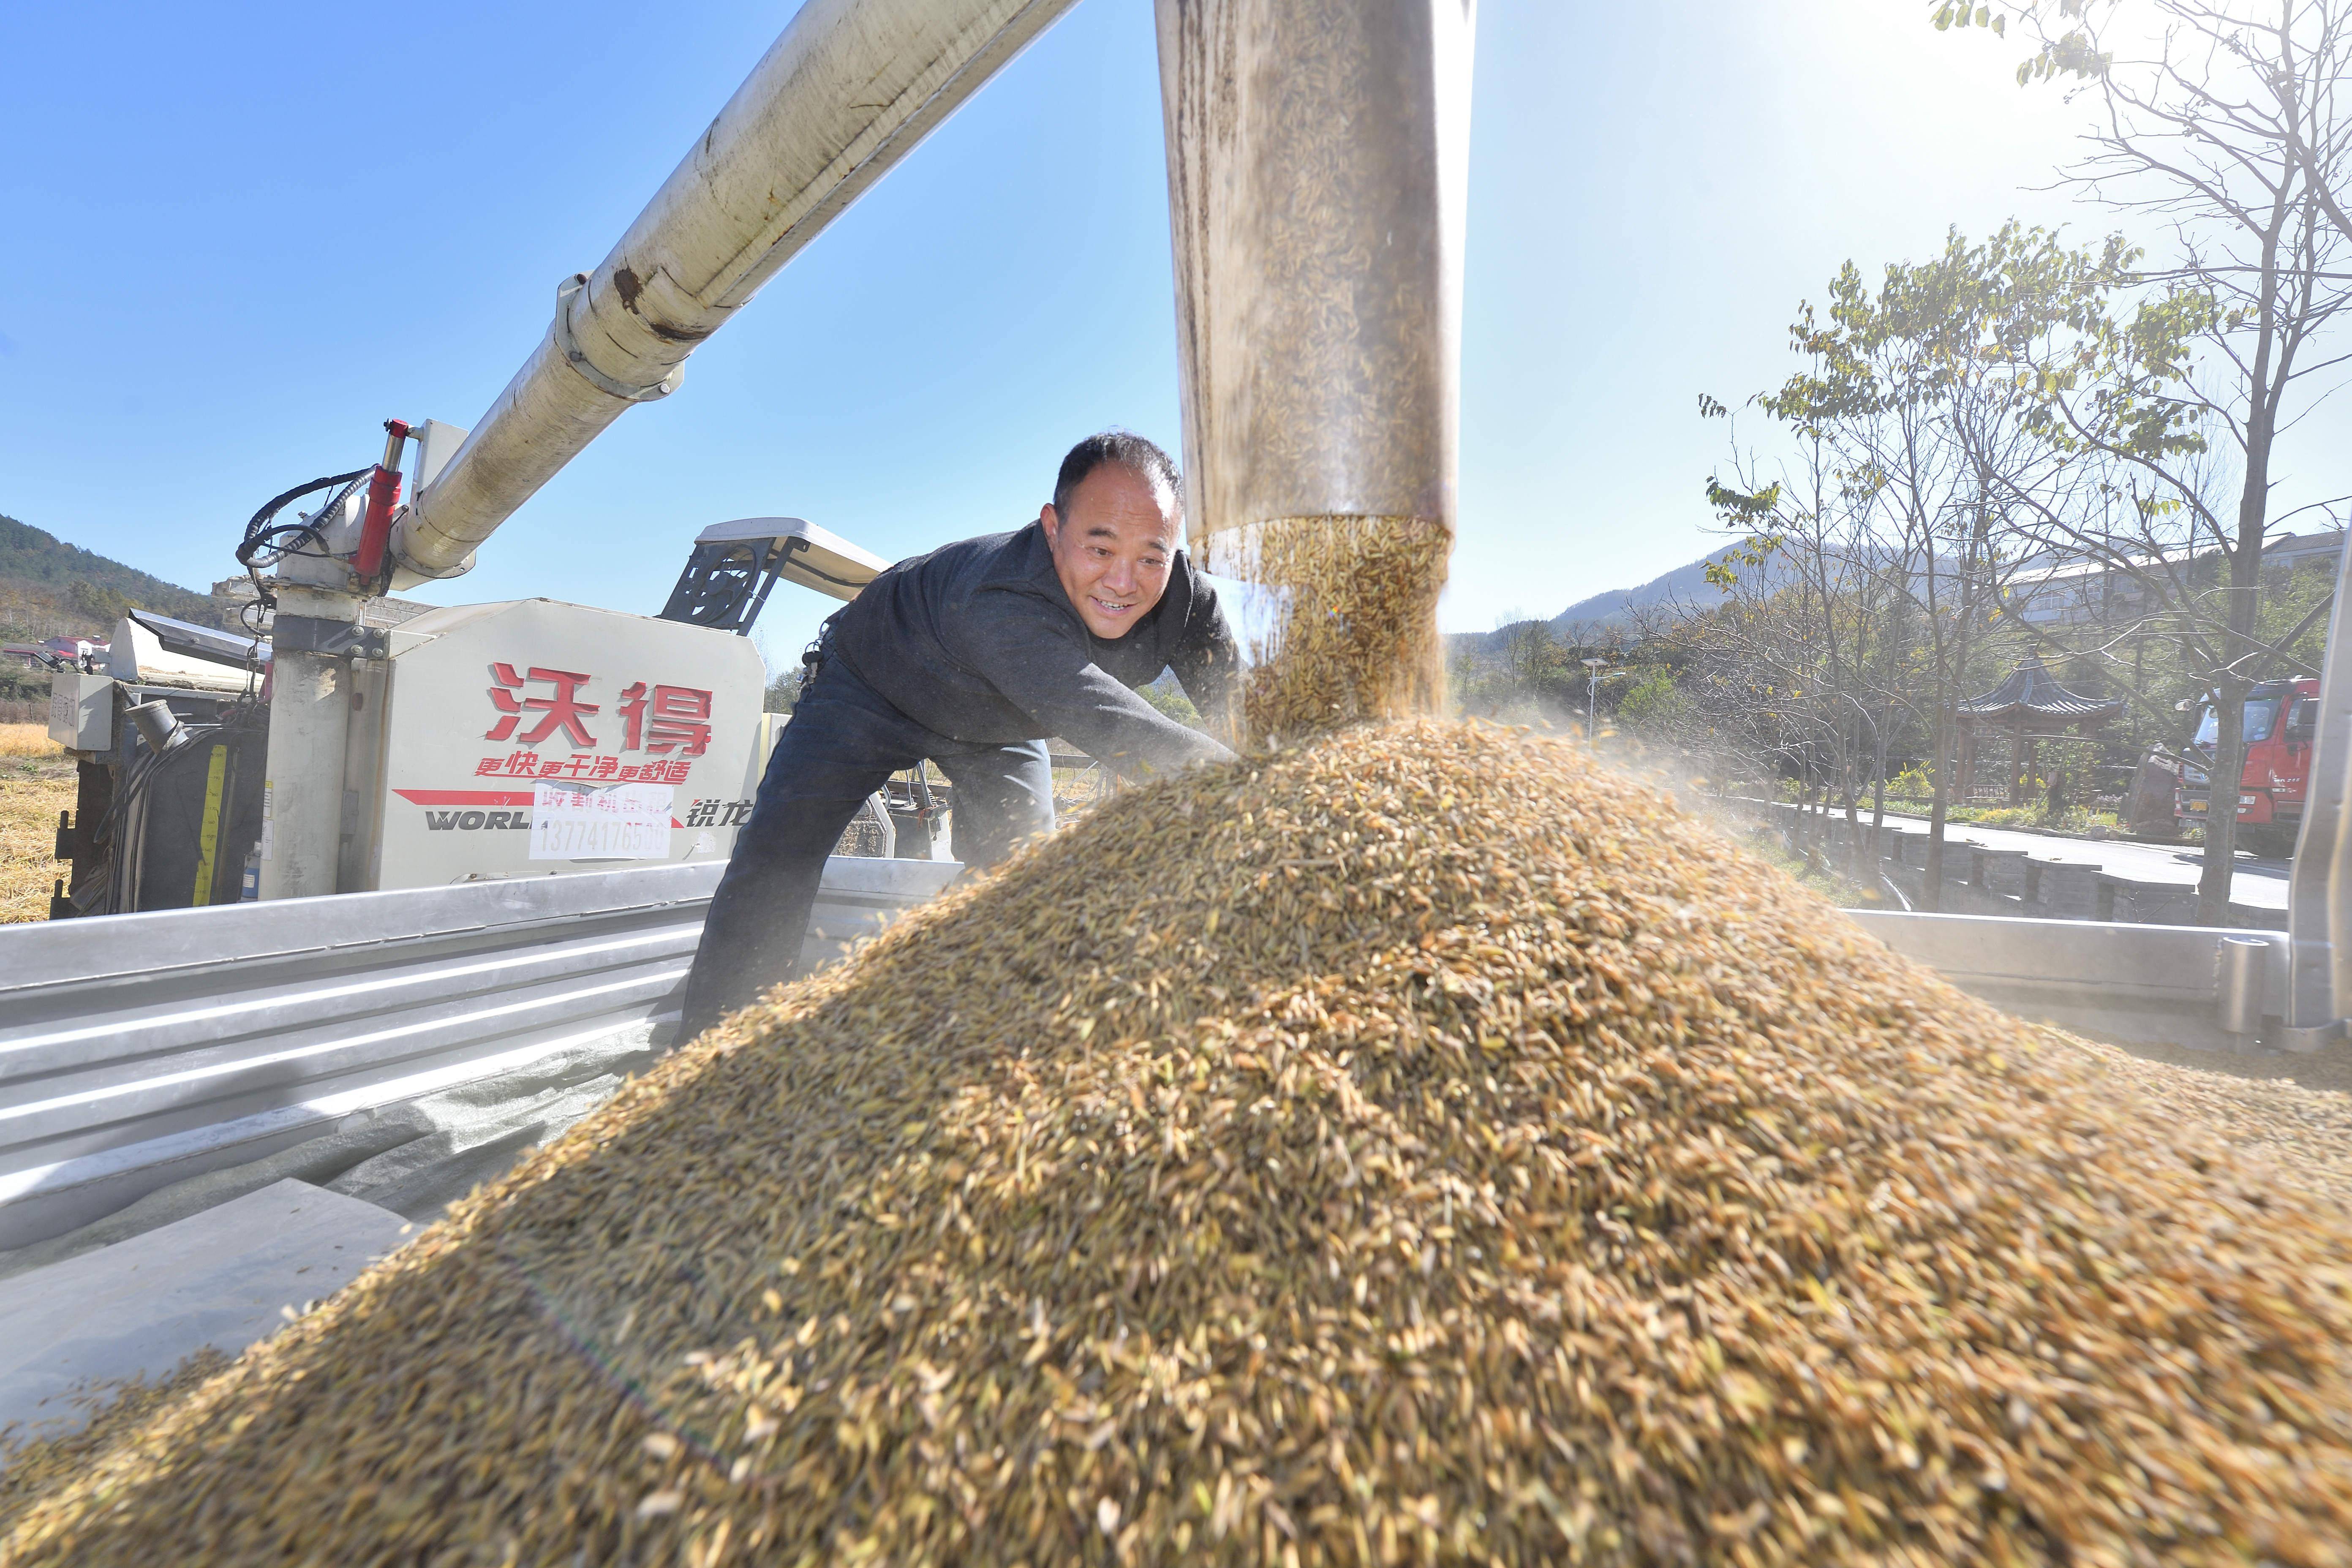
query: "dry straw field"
1417, 1146
36, 782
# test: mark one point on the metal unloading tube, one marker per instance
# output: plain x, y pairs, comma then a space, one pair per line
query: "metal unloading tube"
1317, 152
850, 87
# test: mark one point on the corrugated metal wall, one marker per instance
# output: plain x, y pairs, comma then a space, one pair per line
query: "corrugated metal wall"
137, 1051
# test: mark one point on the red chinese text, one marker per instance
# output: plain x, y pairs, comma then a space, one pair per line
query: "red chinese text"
563, 708
659, 719
581, 765
679, 717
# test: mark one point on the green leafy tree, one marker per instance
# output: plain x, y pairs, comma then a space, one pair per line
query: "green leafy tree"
102, 607
1524, 669
1912, 421
1652, 703
36, 564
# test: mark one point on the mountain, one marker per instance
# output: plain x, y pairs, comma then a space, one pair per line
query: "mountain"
1616, 609
1606, 616
50, 589
33, 560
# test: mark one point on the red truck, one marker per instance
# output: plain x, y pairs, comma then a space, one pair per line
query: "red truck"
2281, 718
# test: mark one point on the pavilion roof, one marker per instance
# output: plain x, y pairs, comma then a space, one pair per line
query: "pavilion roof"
2033, 692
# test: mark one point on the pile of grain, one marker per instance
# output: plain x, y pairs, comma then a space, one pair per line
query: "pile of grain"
2304, 1125
110, 1408
1414, 1147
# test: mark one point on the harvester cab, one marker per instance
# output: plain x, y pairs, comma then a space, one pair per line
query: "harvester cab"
725, 585
734, 565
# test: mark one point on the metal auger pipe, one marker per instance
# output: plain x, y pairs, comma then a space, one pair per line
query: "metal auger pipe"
848, 89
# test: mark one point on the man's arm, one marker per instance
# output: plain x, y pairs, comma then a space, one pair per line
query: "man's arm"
1043, 665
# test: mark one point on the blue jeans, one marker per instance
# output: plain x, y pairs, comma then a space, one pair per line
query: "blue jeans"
842, 742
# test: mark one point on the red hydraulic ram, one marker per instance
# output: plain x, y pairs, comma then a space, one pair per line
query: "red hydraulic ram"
382, 501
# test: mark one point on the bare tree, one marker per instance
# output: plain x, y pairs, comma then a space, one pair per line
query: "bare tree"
2225, 122
1809, 597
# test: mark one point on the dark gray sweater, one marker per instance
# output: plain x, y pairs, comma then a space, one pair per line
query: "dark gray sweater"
978, 641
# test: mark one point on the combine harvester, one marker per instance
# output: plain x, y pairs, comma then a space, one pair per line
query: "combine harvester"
214, 1107
475, 742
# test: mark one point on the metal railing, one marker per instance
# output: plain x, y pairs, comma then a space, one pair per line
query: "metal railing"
2103, 955
2000, 880
2202, 987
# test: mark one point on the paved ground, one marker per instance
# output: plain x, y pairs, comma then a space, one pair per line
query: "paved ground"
2258, 884
224, 1278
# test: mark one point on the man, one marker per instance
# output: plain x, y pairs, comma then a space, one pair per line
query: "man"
971, 656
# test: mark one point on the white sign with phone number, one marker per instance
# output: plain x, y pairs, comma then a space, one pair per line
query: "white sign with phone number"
625, 822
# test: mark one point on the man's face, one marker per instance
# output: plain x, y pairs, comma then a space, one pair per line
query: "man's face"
1113, 549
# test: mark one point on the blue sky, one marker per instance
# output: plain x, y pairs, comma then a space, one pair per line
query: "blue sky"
242, 236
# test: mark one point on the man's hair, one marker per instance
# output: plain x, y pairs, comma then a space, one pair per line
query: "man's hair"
1128, 450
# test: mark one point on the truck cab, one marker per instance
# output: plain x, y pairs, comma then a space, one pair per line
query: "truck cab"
2280, 718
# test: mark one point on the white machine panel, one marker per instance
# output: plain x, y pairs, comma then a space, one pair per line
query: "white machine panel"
137, 655
532, 737
436, 443
81, 710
